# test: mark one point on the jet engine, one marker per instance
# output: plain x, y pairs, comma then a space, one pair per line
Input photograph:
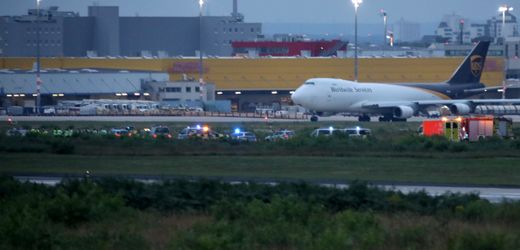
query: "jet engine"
403, 112
460, 109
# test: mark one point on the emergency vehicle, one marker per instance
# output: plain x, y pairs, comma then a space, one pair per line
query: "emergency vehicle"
468, 128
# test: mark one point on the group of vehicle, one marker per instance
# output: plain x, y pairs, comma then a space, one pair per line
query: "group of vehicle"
201, 132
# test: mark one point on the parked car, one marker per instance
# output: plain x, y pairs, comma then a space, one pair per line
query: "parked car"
324, 131
243, 136
203, 132
47, 110
357, 131
280, 135
160, 132
120, 132
16, 132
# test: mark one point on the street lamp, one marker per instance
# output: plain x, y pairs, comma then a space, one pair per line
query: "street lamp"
356, 6
201, 67
504, 8
385, 19
38, 79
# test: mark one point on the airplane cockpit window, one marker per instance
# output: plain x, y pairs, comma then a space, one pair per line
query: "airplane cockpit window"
309, 83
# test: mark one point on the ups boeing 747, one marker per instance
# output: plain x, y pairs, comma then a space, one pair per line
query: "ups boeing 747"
398, 102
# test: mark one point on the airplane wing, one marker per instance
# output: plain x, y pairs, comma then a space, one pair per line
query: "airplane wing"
495, 88
422, 103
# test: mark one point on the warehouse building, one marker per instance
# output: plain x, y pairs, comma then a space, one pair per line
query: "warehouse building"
18, 87
104, 33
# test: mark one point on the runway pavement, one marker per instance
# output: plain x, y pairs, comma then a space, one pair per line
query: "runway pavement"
209, 119
492, 194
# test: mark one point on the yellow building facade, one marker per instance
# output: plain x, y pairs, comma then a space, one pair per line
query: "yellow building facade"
279, 73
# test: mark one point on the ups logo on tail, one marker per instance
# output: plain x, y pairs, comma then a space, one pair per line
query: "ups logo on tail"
476, 65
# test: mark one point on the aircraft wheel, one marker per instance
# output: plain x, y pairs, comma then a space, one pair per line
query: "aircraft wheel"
364, 118
385, 119
399, 119
314, 118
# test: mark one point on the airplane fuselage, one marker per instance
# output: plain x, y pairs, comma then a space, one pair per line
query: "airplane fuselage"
336, 95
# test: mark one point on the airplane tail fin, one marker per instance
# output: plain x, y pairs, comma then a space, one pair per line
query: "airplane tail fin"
471, 69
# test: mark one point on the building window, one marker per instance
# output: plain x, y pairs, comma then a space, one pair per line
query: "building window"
188, 89
236, 29
252, 30
197, 89
516, 50
173, 89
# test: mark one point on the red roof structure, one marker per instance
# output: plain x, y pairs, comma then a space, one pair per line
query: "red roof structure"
290, 48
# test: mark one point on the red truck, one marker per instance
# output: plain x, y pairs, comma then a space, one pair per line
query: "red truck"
467, 128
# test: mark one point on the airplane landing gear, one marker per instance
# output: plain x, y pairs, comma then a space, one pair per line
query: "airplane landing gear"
314, 118
364, 118
383, 119
391, 119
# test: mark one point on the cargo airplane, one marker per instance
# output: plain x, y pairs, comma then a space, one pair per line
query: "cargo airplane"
398, 102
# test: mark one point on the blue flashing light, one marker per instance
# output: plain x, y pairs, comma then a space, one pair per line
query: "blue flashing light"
198, 126
237, 130
331, 128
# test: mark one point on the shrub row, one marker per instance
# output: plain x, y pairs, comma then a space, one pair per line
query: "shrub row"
290, 215
300, 145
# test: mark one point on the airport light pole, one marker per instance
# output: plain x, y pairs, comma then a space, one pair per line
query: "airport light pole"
503, 9
38, 79
201, 66
385, 21
356, 6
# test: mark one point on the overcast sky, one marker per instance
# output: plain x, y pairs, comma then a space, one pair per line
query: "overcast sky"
292, 11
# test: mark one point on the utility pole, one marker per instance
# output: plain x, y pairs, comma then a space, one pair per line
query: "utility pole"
201, 66
385, 22
38, 78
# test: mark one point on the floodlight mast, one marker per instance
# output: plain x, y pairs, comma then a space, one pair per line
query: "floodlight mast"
504, 9
38, 78
201, 66
356, 3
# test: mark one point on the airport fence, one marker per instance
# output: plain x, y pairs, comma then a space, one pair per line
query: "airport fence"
166, 112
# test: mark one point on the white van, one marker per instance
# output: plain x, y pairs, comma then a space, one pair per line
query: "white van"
351, 132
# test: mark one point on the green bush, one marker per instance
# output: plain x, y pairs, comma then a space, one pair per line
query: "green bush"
62, 147
471, 241
102, 215
414, 237
282, 223
78, 201
478, 210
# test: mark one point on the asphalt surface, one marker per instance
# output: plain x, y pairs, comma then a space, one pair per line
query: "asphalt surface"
492, 194
209, 119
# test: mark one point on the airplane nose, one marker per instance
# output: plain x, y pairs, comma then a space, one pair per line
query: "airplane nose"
296, 97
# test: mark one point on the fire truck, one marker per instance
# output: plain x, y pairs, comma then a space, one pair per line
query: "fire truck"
467, 128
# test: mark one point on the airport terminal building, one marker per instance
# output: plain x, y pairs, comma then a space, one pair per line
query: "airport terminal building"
104, 33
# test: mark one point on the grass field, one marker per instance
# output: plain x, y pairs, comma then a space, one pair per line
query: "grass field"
488, 171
